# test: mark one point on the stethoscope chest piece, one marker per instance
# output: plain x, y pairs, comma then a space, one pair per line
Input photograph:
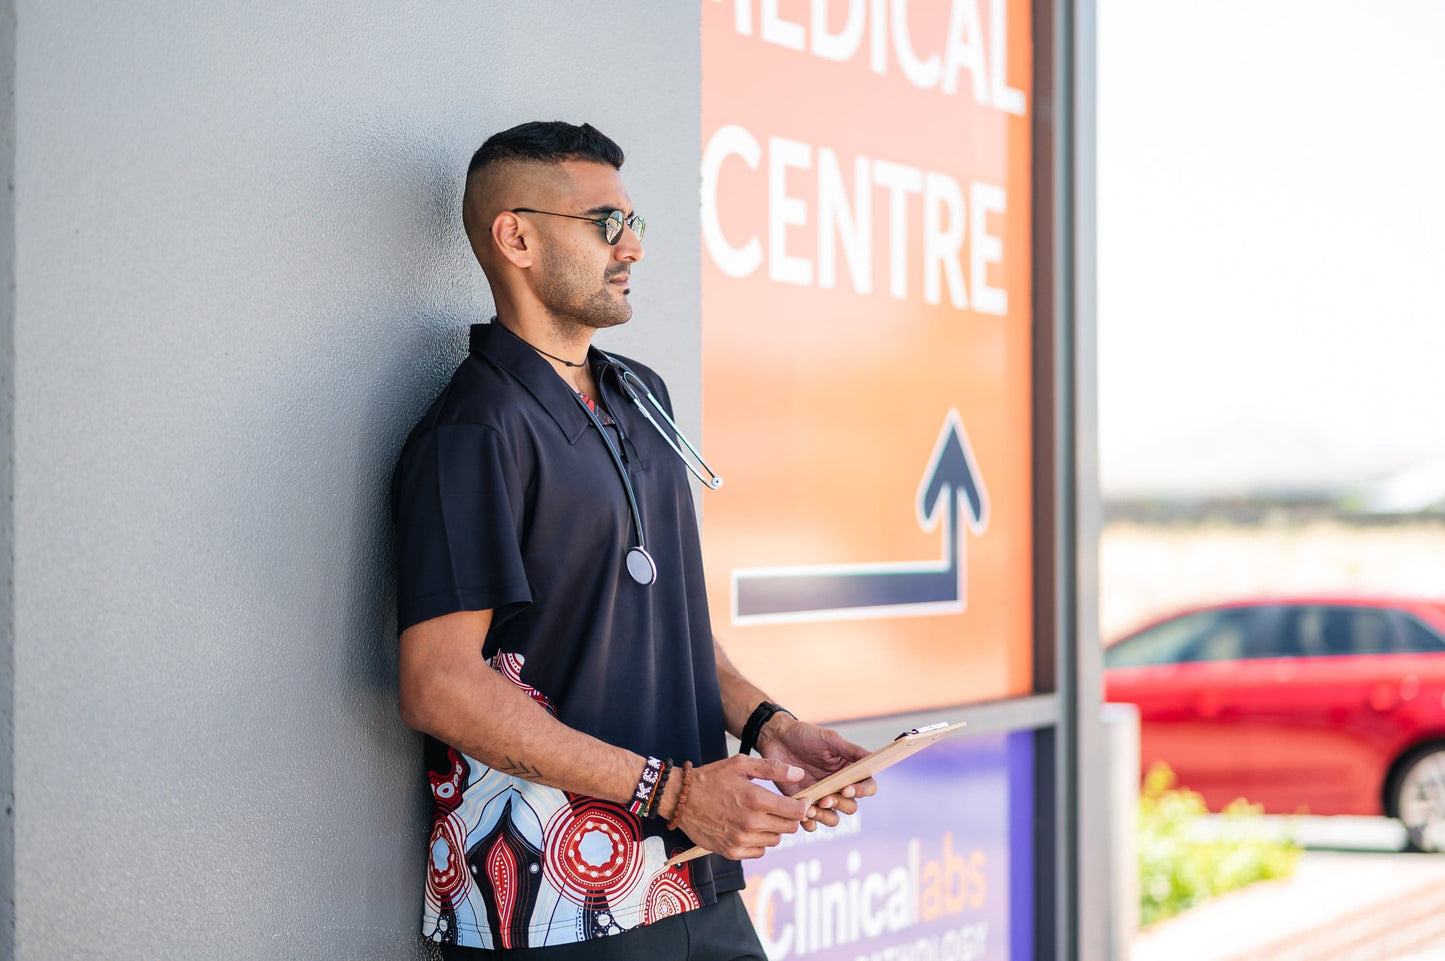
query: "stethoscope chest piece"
641, 566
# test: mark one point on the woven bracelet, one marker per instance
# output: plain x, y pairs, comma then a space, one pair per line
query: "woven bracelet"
650, 810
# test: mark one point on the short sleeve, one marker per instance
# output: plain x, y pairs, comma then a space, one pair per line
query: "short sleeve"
458, 504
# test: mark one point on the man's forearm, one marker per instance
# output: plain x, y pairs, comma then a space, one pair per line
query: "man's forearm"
449, 692
511, 733
815, 751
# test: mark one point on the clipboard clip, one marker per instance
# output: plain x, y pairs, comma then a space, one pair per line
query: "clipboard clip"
922, 730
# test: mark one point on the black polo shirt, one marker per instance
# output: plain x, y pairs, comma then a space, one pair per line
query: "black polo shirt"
506, 498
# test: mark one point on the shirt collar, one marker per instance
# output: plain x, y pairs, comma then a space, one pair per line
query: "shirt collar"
499, 345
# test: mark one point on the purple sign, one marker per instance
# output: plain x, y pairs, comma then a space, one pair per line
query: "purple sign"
936, 867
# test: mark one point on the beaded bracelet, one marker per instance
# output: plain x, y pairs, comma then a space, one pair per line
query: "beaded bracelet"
645, 784
650, 810
682, 797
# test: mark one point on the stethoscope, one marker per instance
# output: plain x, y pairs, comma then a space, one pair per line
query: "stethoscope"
640, 564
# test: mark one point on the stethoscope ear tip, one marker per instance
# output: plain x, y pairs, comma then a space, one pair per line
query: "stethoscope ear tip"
715, 483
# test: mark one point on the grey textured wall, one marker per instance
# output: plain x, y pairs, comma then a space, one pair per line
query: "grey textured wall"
239, 277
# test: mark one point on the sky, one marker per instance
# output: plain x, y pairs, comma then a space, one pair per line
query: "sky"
1271, 231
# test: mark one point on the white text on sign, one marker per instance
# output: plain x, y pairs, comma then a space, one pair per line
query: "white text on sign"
845, 220
885, 23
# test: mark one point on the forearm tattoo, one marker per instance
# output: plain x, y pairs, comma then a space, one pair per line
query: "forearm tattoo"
519, 769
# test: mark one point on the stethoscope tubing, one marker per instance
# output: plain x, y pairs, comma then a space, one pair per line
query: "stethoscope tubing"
621, 470
712, 480
640, 563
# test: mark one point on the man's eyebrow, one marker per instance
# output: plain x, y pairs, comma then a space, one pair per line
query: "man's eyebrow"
603, 211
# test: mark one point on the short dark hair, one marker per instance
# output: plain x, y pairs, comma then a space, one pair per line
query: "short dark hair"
547, 141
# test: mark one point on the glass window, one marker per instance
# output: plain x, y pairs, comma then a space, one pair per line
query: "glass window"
1269, 635
1370, 631
1332, 631
1413, 636
1319, 631
1216, 635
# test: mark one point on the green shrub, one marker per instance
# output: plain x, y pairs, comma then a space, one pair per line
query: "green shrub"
1178, 869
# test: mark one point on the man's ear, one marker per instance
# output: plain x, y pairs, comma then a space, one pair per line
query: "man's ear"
508, 238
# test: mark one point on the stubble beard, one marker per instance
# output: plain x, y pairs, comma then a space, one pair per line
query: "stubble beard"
577, 300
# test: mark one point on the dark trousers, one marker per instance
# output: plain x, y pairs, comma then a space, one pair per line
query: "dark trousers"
718, 932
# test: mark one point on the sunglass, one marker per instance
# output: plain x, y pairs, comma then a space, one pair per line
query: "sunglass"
611, 225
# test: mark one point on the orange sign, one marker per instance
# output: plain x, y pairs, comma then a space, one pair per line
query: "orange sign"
867, 349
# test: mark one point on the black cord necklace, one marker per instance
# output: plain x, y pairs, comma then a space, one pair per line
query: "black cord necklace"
554, 356
560, 360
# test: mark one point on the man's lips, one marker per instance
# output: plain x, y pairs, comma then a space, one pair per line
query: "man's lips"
622, 280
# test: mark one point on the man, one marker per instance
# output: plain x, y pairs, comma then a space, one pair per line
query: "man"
576, 712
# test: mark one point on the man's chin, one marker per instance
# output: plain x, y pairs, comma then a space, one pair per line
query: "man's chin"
615, 316
621, 307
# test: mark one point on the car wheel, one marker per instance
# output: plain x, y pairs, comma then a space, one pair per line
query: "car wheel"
1419, 799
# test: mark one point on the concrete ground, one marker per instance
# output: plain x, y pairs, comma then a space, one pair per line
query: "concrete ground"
1354, 897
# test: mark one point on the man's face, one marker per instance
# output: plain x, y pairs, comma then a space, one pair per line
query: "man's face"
580, 277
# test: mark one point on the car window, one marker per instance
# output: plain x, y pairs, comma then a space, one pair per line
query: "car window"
1322, 631
1215, 635
1412, 636
1319, 631
1266, 634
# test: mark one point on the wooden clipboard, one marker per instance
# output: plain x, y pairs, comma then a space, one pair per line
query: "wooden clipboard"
905, 745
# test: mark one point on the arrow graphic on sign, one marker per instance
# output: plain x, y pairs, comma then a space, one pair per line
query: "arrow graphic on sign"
952, 489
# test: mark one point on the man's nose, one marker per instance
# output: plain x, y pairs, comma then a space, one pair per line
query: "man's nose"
629, 247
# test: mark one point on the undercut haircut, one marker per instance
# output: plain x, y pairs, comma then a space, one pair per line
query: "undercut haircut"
548, 142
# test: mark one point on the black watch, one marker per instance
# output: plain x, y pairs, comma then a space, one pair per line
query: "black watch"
760, 716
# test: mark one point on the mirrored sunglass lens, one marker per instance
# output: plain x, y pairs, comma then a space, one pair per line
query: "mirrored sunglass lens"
613, 226
638, 225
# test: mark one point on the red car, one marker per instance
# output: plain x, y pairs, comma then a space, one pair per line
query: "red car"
1326, 705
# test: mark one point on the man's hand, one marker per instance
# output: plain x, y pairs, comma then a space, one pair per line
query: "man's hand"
730, 815
819, 752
